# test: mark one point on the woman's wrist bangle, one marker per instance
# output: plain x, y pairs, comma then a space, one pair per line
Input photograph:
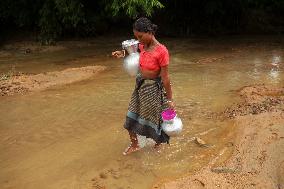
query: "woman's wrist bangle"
169, 101
123, 53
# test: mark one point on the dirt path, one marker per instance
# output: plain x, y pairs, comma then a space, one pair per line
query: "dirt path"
258, 158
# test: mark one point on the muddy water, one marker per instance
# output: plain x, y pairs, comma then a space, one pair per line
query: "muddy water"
72, 136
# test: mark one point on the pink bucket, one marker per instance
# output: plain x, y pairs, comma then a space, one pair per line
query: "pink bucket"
168, 114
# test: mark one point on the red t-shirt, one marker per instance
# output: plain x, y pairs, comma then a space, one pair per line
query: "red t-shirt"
155, 59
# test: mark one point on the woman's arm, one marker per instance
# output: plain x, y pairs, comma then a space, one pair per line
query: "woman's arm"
167, 84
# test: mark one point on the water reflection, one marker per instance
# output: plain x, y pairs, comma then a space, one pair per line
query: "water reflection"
276, 60
256, 69
274, 73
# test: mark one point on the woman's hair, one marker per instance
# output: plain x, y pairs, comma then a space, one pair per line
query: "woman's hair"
144, 25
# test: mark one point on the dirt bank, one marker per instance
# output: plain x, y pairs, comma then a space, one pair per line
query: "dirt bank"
258, 157
23, 83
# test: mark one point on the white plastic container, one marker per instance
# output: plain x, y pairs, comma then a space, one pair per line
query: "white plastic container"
172, 125
131, 62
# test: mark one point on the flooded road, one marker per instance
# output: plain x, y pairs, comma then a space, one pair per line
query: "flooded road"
73, 136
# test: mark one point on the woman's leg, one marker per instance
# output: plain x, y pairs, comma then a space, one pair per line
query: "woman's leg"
133, 139
157, 147
134, 144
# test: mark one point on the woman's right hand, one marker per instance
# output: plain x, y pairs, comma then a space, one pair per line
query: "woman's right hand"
118, 54
171, 105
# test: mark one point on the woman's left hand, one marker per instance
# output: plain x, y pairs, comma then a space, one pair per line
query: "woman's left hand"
171, 105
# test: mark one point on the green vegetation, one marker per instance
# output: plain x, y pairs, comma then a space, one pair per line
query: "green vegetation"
52, 19
133, 8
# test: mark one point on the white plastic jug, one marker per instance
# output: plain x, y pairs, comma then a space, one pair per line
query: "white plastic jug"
131, 62
172, 125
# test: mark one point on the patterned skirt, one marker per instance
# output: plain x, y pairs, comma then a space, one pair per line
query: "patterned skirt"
144, 112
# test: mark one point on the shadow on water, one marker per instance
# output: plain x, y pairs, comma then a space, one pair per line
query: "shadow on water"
73, 136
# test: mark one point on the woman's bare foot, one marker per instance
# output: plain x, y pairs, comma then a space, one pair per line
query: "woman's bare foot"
130, 149
157, 147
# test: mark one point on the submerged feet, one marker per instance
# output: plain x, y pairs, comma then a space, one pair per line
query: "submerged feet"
157, 147
135, 147
130, 149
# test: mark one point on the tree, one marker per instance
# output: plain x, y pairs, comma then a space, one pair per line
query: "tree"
57, 16
133, 8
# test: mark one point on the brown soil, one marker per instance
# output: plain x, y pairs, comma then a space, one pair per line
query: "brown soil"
258, 157
23, 83
256, 100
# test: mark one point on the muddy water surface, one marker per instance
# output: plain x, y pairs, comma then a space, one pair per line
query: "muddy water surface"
73, 136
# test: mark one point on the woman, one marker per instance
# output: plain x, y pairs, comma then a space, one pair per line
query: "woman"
152, 93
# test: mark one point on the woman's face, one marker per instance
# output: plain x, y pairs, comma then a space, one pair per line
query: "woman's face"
143, 37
